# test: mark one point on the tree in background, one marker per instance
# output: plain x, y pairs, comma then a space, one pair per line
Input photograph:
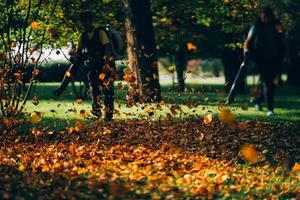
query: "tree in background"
175, 27
227, 23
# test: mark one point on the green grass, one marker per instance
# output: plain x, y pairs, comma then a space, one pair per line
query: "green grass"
206, 98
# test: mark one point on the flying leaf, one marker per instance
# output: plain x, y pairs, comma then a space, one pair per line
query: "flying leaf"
250, 154
102, 76
171, 68
36, 117
191, 46
226, 116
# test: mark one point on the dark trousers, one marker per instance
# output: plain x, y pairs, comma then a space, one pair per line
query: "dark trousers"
106, 87
267, 92
267, 75
96, 86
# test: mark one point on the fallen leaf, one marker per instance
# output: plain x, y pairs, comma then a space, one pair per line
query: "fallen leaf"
207, 119
227, 117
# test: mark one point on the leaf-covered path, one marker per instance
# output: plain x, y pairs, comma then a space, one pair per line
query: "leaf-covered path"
159, 159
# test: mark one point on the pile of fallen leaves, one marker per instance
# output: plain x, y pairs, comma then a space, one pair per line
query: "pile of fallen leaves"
163, 159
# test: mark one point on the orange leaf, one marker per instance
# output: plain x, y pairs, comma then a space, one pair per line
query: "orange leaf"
191, 46
34, 25
36, 72
79, 101
250, 154
207, 119
102, 76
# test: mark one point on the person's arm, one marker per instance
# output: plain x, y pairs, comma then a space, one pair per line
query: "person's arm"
78, 49
248, 40
105, 42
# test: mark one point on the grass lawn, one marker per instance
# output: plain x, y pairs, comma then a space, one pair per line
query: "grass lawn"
197, 100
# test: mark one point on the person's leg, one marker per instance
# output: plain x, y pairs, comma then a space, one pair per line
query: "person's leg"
269, 91
260, 97
95, 92
108, 92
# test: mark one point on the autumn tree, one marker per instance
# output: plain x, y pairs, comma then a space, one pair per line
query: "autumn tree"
175, 27
25, 30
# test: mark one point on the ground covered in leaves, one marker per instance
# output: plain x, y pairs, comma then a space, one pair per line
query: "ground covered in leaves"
163, 159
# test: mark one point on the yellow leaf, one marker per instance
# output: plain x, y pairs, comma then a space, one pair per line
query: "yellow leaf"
84, 114
13, 44
76, 129
56, 165
155, 76
171, 68
36, 117
226, 116
70, 130
106, 131
45, 168
21, 168
34, 25
127, 71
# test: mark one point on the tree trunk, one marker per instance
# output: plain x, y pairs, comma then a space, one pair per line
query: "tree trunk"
142, 54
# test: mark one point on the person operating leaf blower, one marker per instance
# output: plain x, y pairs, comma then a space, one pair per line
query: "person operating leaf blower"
266, 47
94, 47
